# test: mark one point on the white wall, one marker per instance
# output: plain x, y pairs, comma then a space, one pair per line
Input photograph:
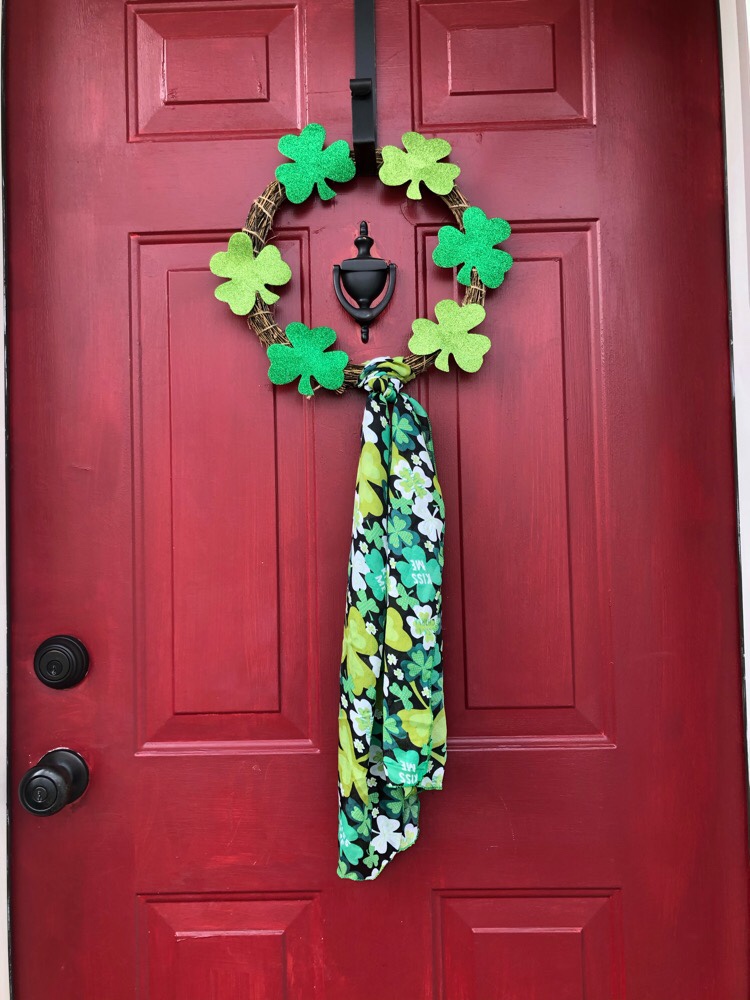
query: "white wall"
735, 15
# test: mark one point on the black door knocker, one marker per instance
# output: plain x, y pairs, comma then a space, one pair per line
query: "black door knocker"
364, 277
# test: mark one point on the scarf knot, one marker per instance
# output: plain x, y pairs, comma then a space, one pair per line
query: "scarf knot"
384, 378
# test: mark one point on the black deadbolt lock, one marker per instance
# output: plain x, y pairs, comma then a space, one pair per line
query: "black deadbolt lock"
60, 777
61, 662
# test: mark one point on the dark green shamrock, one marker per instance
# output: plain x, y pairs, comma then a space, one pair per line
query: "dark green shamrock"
248, 275
399, 534
312, 164
450, 335
405, 767
307, 357
475, 248
421, 664
419, 164
419, 572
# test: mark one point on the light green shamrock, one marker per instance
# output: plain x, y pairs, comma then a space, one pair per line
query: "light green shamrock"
248, 275
419, 164
450, 335
307, 357
475, 248
312, 164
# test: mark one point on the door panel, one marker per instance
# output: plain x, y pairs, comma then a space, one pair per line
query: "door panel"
530, 474
491, 64
221, 657
190, 522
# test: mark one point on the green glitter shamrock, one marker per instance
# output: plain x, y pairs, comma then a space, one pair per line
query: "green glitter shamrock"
450, 335
419, 164
475, 248
248, 275
312, 164
307, 357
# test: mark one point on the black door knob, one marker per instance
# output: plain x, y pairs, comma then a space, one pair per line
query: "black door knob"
61, 661
60, 777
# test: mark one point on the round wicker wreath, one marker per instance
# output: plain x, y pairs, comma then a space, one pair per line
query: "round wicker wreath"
259, 228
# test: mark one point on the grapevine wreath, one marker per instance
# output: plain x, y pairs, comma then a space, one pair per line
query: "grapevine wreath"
392, 730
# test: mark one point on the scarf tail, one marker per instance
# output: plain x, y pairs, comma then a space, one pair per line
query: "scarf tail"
392, 741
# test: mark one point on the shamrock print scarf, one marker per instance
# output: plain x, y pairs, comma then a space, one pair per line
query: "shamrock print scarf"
392, 730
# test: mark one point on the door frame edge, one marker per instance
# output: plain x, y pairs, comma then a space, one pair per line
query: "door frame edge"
734, 17
5, 985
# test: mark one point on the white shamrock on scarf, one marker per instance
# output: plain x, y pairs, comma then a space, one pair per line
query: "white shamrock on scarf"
387, 834
429, 525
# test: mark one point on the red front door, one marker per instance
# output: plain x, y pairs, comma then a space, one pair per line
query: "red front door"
190, 523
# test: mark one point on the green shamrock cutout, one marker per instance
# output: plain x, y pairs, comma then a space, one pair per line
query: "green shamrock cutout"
307, 357
248, 275
419, 164
313, 164
450, 335
475, 248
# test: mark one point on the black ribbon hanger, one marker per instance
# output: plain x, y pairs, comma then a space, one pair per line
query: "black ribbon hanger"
362, 86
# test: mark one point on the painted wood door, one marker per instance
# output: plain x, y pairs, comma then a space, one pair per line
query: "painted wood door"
190, 523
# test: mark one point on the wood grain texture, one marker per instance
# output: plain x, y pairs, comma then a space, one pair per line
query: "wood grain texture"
191, 523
